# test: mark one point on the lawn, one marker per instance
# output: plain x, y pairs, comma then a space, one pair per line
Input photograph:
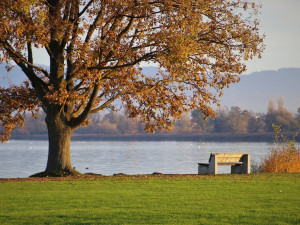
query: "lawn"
221, 199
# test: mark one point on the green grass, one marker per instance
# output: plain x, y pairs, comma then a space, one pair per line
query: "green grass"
222, 199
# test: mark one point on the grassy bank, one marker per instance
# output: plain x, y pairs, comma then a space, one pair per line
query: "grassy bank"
222, 199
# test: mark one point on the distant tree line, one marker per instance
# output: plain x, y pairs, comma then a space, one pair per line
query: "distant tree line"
229, 120
236, 120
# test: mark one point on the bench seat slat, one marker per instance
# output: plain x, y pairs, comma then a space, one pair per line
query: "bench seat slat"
205, 164
223, 163
229, 163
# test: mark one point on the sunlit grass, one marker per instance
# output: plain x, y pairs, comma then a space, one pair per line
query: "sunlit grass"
222, 199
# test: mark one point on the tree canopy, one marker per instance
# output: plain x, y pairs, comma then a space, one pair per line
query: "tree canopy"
95, 48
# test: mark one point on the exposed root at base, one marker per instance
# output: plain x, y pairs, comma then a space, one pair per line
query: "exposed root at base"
61, 173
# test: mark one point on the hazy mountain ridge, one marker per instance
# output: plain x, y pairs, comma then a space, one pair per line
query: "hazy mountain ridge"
252, 92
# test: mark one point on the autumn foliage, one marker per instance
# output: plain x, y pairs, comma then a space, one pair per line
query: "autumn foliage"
16, 101
283, 158
96, 47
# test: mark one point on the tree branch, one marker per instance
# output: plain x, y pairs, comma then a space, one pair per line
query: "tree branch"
147, 56
30, 55
85, 8
93, 26
20, 60
75, 122
104, 105
126, 29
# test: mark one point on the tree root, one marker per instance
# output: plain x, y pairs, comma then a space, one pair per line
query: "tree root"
62, 173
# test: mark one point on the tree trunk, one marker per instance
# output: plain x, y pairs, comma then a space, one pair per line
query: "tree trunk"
59, 137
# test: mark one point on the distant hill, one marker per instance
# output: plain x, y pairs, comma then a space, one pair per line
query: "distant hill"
252, 92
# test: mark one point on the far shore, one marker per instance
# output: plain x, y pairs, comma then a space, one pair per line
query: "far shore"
197, 137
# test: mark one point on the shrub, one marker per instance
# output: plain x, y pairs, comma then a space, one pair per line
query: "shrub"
284, 157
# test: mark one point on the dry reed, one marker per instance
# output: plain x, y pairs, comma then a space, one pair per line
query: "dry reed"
284, 157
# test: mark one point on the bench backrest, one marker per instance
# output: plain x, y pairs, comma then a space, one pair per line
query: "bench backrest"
228, 157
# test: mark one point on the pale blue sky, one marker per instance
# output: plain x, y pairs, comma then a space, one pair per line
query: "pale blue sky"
280, 22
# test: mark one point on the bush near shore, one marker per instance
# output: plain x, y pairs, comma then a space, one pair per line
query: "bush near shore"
284, 157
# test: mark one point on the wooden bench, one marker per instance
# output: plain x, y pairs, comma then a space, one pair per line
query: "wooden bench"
239, 162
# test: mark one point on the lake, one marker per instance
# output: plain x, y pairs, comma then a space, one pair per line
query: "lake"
22, 158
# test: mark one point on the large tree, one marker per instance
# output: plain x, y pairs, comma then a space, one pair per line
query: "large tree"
95, 50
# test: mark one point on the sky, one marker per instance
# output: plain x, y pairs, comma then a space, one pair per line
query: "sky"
280, 22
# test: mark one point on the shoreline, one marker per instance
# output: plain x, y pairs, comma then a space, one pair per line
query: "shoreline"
195, 137
92, 176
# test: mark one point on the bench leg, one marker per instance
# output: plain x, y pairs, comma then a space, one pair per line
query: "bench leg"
244, 168
211, 168
236, 169
203, 169
213, 165
246, 164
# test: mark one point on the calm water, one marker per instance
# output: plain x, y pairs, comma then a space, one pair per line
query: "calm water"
20, 158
